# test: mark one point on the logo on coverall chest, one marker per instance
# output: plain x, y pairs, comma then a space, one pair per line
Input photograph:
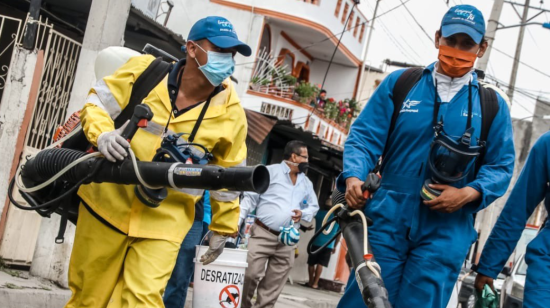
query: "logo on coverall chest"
408, 104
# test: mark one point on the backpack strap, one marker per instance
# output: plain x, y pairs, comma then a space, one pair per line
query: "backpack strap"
489, 109
144, 84
401, 89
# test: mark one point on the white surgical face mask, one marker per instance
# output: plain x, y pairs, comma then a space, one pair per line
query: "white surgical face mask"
219, 66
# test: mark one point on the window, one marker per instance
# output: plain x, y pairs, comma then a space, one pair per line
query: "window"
286, 59
356, 26
350, 20
265, 43
362, 33
338, 7
345, 15
301, 72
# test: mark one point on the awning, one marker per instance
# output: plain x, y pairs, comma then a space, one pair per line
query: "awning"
322, 153
259, 125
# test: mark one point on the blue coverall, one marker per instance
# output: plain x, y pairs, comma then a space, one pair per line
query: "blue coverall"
530, 189
419, 250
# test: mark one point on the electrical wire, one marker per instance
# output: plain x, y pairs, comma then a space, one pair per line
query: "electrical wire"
334, 35
332, 58
398, 45
417, 23
532, 37
411, 26
397, 42
516, 89
314, 43
520, 92
521, 62
390, 10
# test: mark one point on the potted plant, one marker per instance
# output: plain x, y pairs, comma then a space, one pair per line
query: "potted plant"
255, 83
289, 80
331, 109
306, 92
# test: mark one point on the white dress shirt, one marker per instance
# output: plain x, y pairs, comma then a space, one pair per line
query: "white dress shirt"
274, 207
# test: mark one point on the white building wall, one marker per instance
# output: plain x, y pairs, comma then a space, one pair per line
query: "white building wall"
278, 42
12, 111
340, 82
322, 14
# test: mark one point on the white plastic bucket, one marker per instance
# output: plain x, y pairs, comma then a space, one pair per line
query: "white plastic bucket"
220, 283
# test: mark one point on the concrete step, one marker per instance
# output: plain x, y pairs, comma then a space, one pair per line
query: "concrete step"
19, 290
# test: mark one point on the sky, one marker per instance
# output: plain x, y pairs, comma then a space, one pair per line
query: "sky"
398, 37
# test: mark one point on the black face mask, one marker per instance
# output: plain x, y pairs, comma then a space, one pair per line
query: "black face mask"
302, 167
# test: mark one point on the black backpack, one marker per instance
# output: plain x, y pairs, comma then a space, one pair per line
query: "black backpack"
411, 76
144, 84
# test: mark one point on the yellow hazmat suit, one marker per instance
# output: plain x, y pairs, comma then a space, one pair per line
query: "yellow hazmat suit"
134, 262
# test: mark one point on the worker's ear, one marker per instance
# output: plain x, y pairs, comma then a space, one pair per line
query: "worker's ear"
437, 37
482, 48
191, 49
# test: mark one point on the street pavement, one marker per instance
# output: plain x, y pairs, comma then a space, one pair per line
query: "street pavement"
19, 290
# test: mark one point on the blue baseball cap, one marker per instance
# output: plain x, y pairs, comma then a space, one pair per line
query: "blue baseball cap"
464, 19
220, 32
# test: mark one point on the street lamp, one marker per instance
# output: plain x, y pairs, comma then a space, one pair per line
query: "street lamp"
515, 64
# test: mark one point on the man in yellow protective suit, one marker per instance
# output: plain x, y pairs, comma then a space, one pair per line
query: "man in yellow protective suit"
124, 251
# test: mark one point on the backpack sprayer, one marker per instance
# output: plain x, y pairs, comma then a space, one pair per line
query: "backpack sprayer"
53, 170
354, 227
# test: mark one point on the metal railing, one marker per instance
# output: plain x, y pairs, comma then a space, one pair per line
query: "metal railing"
60, 60
268, 76
10, 31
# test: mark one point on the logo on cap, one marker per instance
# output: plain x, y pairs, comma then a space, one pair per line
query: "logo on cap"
465, 15
226, 26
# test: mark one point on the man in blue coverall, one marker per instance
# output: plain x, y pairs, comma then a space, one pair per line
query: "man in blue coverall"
420, 245
530, 189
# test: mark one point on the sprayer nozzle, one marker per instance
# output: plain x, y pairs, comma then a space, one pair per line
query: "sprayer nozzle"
151, 197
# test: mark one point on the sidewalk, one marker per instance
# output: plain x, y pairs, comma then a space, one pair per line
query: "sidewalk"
296, 296
18, 290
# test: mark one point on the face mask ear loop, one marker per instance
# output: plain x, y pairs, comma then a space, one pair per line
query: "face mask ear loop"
197, 45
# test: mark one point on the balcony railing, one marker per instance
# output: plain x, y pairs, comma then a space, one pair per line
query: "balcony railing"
280, 112
270, 79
